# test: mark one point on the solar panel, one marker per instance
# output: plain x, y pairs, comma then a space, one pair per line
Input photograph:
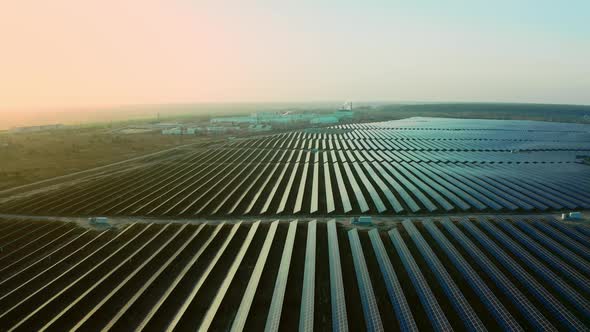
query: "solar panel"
274, 189
368, 301
250, 186
372, 192
564, 240
358, 156
423, 199
229, 276
521, 303
569, 231
388, 194
398, 188
213, 179
433, 310
574, 276
151, 280
556, 247
287, 191
261, 188
363, 206
337, 298
47, 254
583, 229
506, 187
276, 305
549, 301
97, 264
197, 286
459, 302
394, 289
301, 190
104, 277
404, 168
490, 185
248, 297
306, 315
463, 191
539, 268
235, 182
120, 285
330, 207
495, 307
315, 188
483, 195
342, 189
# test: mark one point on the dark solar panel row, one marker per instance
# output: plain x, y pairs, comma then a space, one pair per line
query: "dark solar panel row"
261, 275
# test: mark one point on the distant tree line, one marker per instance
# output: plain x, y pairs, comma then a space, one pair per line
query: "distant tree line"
541, 112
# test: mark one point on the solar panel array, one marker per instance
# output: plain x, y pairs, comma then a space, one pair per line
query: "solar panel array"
418, 165
476, 273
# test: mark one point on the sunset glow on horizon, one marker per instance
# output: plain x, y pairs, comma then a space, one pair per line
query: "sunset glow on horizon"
85, 54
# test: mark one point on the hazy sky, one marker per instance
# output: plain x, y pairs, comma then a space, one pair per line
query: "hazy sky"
80, 53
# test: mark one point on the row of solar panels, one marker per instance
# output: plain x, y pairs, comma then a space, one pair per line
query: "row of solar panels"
201, 183
511, 273
406, 145
386, 185
522, 133
360, 153
490, 136
431, 123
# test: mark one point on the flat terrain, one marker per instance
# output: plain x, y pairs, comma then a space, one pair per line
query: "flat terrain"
502, 272
30, 157
412, 166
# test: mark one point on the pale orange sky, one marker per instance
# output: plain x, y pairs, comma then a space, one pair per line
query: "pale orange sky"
82, 53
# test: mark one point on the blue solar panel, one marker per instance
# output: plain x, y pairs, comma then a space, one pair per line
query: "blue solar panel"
423, 199
367, 295
274, 189
556, 247
394, 289
287, 191
490, 184
308, 293
248, 297
315, 188
475, 188
560, 312
372, 192
584, 229
540, 269
570, 231
533, 316
457, 187
426, 188
564, 240
276, 305
433, 310
459, 302
390, 196
508, 187
301, 190
574, 276
346, 206
339, 316
502, 316
460, 203
363, 206
398, 188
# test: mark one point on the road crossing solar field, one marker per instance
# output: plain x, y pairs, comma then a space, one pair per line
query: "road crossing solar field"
486, 272
412, 166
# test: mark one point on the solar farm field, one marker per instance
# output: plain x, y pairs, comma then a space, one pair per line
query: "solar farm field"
493, 272
412, 166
